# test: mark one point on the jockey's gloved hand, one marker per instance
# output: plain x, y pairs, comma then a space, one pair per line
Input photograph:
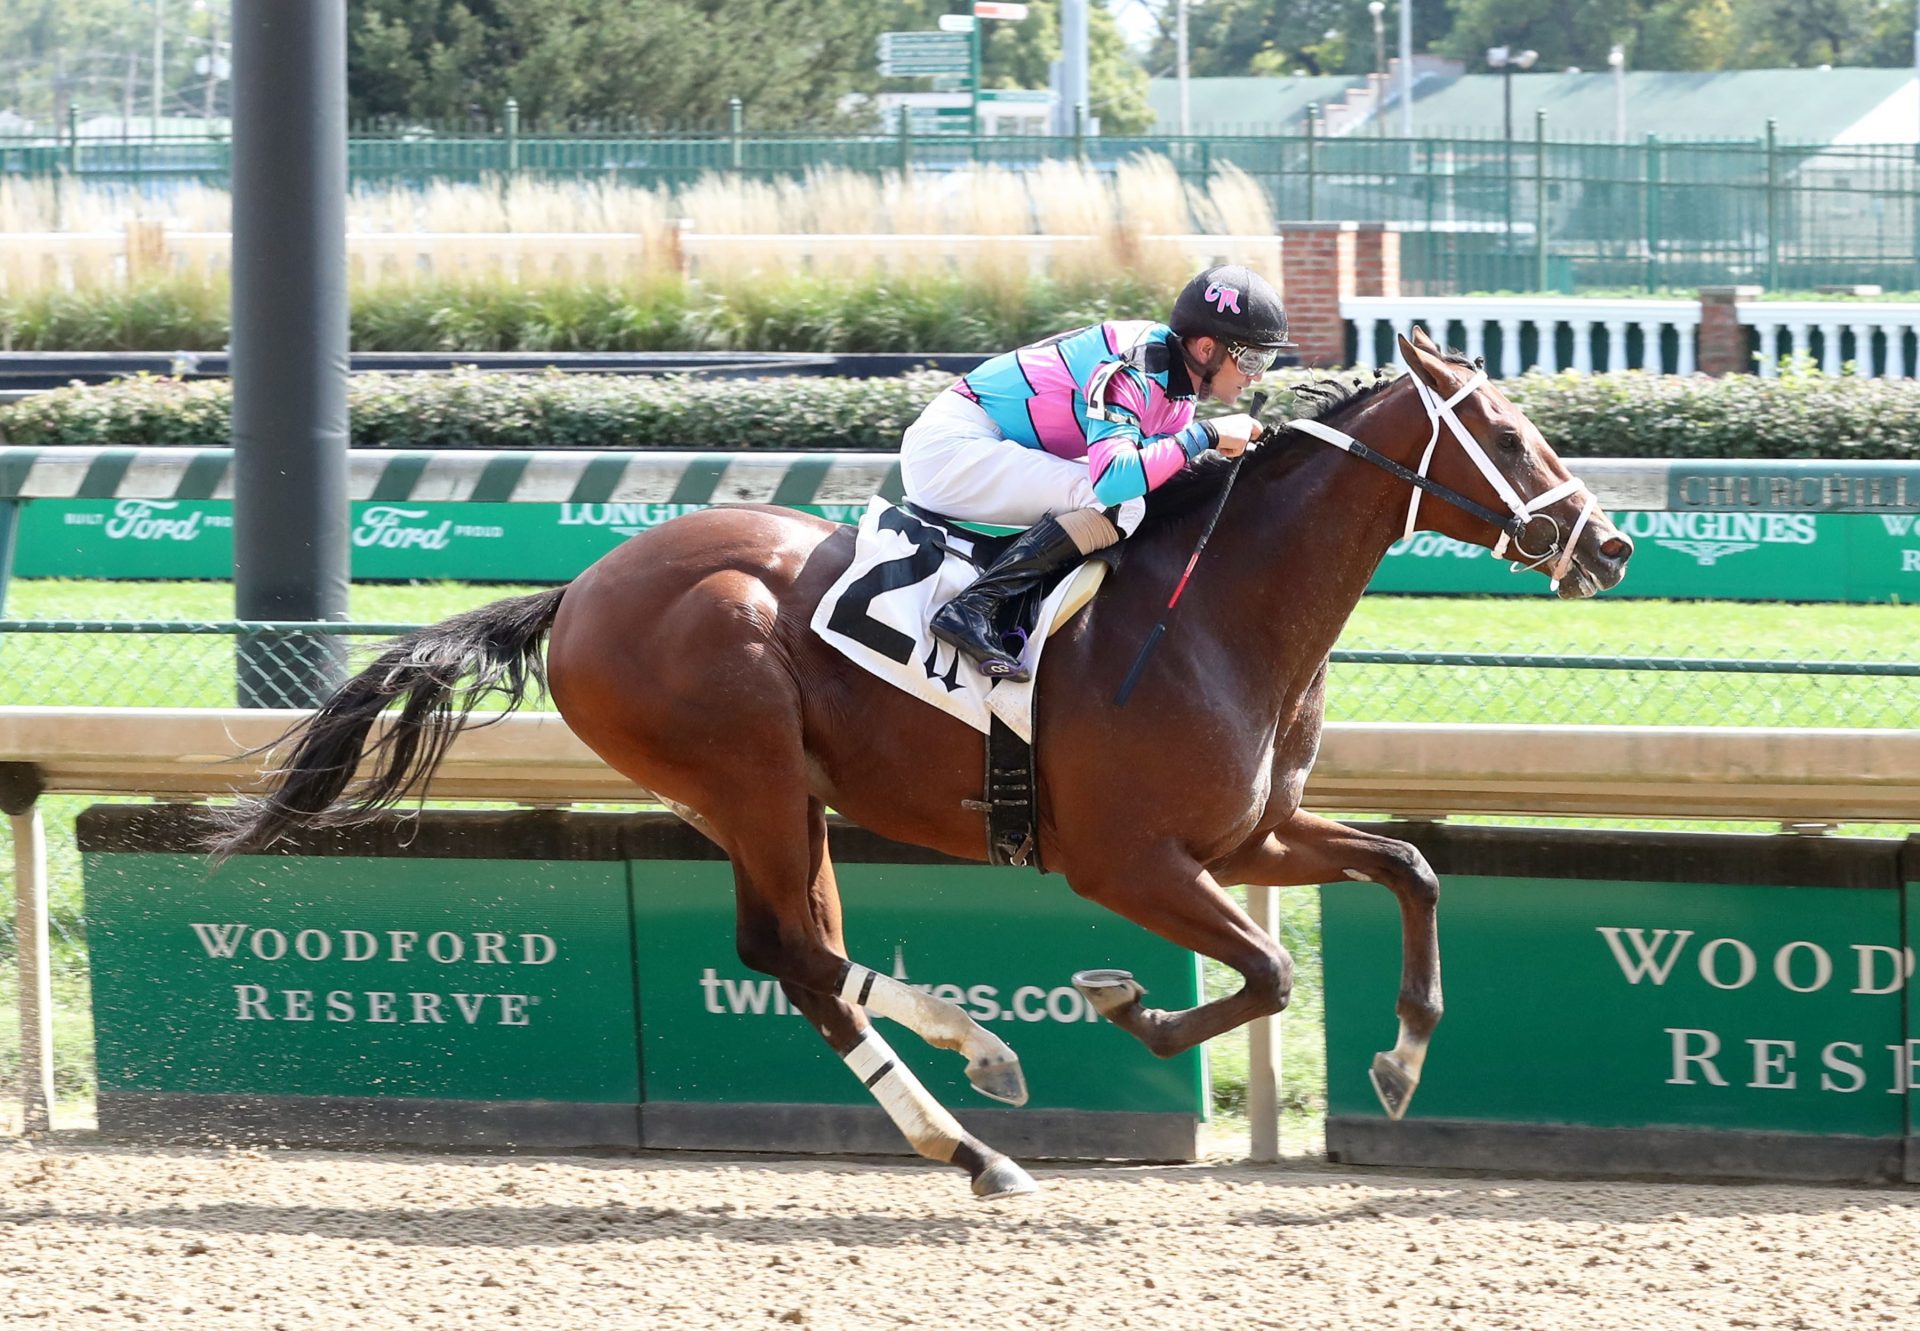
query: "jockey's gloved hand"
1235, 433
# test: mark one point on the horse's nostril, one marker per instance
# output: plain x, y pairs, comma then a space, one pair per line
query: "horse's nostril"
1619, 549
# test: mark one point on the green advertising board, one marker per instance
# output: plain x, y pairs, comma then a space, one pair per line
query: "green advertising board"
379, 967
545, 978
1707, 554
1713, 555
1002, 945
479, 542
1638, 1003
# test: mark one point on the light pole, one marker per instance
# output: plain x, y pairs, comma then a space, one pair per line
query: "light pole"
1506, 60
1617, 58
1378, 9
1406, 67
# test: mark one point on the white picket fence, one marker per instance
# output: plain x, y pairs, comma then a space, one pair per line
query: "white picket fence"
66, 258
1599, 329
1871, 336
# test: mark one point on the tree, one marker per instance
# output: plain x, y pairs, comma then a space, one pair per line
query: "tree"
1564, 35
1230, 38
424, 59
1818, 32
97, 56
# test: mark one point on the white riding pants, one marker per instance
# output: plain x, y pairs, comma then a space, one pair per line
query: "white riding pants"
954, 461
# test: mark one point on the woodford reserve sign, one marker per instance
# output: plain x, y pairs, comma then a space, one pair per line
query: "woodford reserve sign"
570, 980
1644, 1003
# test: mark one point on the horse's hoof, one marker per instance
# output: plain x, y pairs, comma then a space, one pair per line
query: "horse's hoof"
1003, 1178
1108, 991
1392, 1084
1002, 1081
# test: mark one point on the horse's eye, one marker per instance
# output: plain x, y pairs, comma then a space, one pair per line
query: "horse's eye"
1509, 440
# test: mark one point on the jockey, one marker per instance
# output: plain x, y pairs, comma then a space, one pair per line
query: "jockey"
1066, 436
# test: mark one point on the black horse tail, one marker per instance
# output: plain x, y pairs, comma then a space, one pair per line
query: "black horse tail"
438, 674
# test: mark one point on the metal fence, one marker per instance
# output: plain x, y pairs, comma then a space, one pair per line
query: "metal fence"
136, 663
1538, 212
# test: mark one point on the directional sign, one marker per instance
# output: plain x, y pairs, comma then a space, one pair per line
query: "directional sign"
990, 9
956, 23
917, 54
923, 43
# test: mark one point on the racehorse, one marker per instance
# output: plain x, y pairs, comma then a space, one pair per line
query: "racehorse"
684, 658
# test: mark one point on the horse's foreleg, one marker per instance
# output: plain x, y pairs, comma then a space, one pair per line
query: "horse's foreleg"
992, 1066
1307, 849
1180, 901
801, 944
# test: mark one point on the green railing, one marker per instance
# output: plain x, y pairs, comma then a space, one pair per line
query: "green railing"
1477, 214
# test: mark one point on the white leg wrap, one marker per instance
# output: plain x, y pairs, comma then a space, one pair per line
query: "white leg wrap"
935, 1020
934, 1132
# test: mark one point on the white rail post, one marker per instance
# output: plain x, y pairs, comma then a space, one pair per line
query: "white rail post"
1830, 347
36, 970
1509, 348
1263, 1049
1863, 350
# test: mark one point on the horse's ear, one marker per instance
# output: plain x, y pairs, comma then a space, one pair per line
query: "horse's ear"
1422, 340
1425, 359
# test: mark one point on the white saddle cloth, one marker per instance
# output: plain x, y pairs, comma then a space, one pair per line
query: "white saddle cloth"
876, 616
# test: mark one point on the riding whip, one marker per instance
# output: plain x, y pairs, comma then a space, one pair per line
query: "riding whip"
1153, 638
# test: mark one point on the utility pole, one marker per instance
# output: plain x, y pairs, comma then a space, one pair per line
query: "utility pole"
1181, 70
1406, 68
159, 59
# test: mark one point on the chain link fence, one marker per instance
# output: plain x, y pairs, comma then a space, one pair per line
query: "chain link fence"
52, 663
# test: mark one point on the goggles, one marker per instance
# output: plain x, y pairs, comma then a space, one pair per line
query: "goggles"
1252, 360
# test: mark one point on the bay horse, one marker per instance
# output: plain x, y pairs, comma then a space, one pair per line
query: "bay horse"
684, 659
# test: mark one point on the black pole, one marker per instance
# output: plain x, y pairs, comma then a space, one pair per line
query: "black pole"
290, 342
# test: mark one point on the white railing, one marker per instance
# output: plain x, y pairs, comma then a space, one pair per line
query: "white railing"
910, 251
1599, 327
66, 258
1786, 328
1408, 770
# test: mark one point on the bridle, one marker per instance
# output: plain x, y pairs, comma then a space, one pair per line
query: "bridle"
1522, 513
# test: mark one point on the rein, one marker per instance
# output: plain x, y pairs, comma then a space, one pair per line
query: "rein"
1153, 638
1523, 513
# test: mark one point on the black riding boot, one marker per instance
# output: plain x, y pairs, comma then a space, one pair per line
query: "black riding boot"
970, 621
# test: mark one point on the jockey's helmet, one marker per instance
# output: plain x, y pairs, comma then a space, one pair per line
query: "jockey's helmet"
1232, 304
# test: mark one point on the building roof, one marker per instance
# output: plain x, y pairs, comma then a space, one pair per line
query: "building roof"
1843, 105
1249, 104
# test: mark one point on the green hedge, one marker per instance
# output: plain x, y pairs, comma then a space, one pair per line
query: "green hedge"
933, 312
1801, 414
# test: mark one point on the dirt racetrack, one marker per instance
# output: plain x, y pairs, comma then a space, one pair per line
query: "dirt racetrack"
101, 1235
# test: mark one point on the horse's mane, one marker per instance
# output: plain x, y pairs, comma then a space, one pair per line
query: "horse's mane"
1330, 399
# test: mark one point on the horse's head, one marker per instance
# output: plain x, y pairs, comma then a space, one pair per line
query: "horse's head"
1485, 449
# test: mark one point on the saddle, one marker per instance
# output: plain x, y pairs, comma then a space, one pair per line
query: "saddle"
907, 563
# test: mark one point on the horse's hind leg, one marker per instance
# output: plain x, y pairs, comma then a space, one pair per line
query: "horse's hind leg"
798, 940
1195, 915
1308, 849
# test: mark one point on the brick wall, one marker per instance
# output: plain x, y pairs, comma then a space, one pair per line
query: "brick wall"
1324, 261
1724, 340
